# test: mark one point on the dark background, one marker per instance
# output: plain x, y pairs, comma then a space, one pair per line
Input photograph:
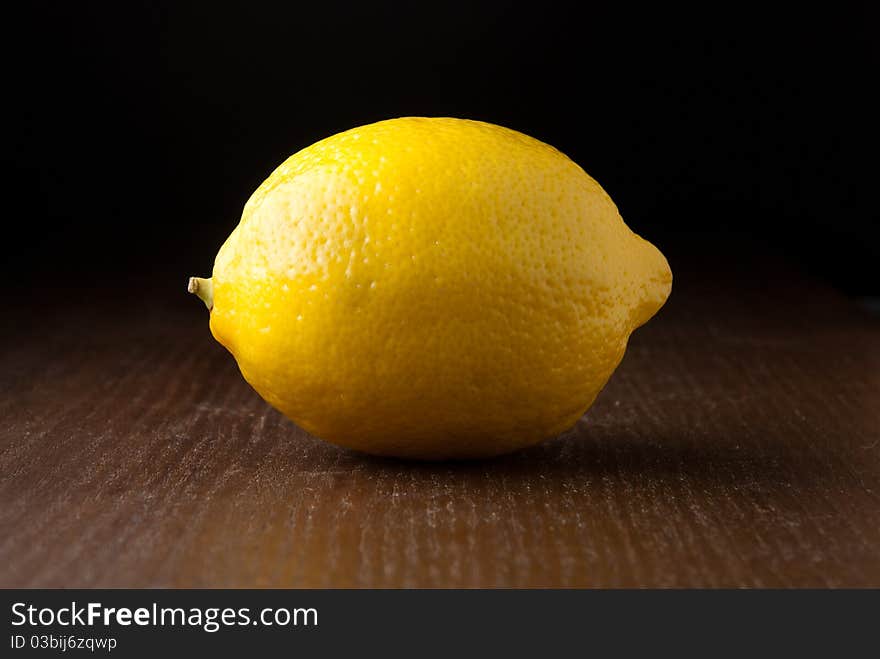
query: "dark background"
136, 131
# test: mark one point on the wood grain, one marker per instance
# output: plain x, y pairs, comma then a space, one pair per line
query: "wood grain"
737, 445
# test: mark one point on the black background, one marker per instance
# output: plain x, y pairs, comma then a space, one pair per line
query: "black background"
136, 131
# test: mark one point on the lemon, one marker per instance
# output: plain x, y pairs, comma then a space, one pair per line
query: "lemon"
431, 288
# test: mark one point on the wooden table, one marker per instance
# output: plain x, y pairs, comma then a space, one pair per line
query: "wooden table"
737, 445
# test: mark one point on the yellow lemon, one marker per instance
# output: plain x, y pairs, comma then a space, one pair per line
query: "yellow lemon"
431, 288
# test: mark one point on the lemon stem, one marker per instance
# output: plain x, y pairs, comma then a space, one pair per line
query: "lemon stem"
204, 289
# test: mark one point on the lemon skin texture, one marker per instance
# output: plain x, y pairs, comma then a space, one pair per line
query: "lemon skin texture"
432, 288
